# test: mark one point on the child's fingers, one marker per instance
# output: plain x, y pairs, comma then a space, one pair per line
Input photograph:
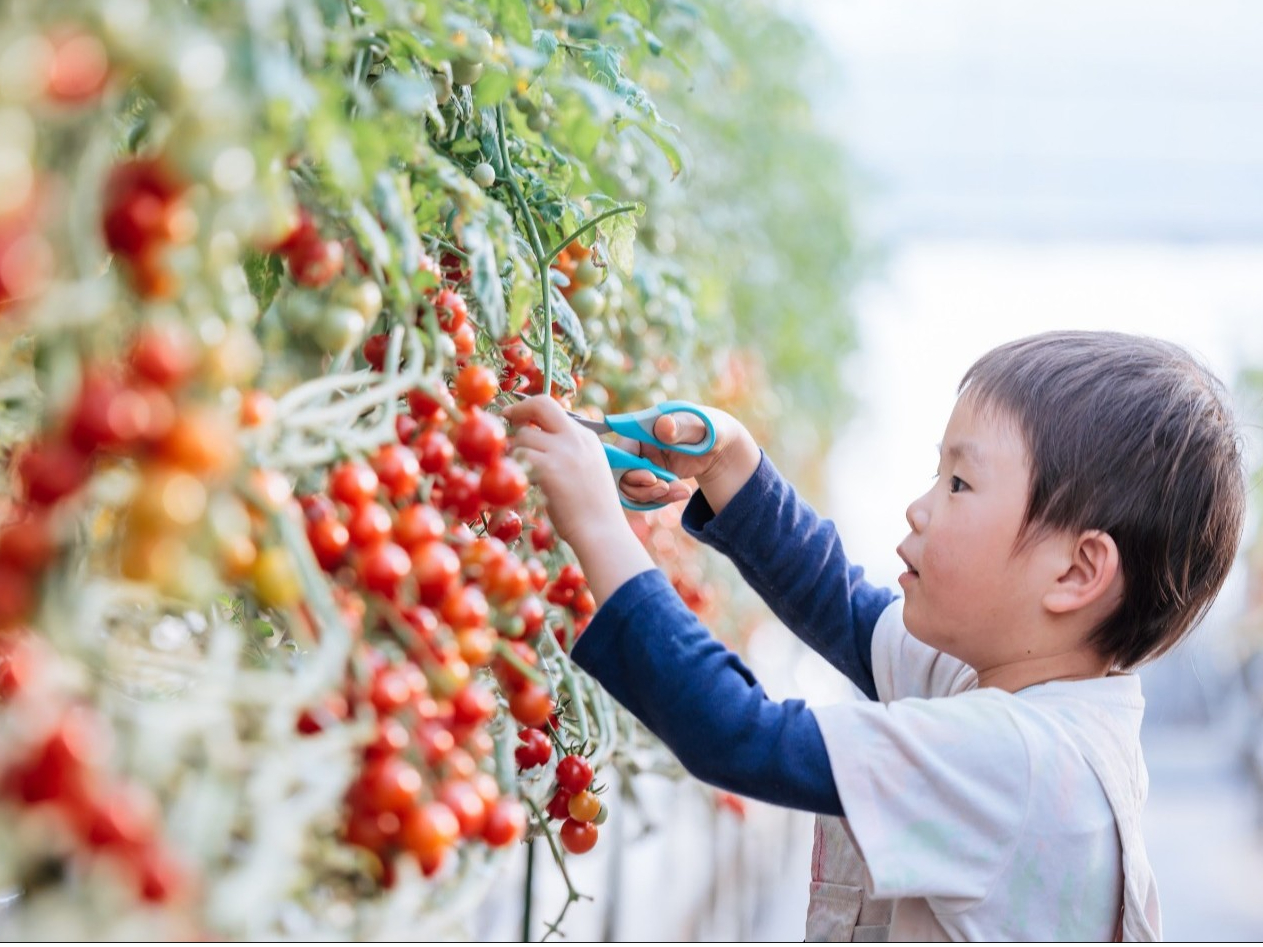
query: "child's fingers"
639, 478
531, 437
660, 491
539, 409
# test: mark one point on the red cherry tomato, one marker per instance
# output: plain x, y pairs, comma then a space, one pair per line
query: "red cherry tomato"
574, 773
329, 540
506, 823
397, 469
437, 568
480, 437
428, 833
466, 804
461, 494
163, 354
375, 347
503, 483
559, 805
578, 837
451, 310
370, 525
531, 704
353, 483
434, 451
476, 386
383, 568
535, 748
417, 524
505, 525
472, 704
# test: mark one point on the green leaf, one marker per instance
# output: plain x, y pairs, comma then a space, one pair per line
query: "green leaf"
484, 278
370, 235
638, 9
568, 321
263, 274
660, 135
603, 65
493, 87
545, 43
514, 18
619, 232
388, 196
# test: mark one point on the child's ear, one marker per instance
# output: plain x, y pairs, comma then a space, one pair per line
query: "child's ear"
1092, 575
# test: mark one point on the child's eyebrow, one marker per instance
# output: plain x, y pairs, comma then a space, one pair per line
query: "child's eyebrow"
963, 449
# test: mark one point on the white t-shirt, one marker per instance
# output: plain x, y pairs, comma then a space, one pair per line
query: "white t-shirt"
978, 810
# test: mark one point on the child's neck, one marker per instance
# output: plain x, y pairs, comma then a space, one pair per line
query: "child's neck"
1013, 676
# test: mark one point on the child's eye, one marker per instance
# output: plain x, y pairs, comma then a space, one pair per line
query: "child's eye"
955, 485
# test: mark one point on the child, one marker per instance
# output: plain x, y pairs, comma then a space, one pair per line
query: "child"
1087, 507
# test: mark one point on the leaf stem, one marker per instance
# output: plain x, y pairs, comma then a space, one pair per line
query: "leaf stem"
588, 225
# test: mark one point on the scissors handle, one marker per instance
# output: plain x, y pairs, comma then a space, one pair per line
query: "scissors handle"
638, 425
620, 462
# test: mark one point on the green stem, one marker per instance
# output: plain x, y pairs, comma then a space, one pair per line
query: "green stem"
511, 656
528, 892
620, 209
572, 893
537, 247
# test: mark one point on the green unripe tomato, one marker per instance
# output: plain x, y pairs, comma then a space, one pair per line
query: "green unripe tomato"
300, 311
466, 73
339, 328
587, 302
484, 175
587, 273
365, 298
538, 121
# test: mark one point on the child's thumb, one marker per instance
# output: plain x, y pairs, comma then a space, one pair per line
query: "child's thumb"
679, 428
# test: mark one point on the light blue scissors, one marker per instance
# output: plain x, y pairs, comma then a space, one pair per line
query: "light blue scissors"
638, 425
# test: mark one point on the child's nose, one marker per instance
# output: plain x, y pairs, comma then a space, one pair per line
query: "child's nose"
918, 516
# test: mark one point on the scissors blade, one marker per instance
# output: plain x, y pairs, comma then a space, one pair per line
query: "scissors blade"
599, 426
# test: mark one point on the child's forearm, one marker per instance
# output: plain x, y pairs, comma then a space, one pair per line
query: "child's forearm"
610, 554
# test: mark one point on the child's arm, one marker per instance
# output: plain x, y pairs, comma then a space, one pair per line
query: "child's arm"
794, 560
791, 557
650, 651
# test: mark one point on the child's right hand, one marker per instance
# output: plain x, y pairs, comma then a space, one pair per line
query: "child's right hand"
720, 472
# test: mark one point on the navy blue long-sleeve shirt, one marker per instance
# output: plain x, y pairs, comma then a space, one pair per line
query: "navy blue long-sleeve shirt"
656, 659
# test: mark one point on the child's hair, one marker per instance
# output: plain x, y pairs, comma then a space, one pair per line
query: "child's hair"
1132, 436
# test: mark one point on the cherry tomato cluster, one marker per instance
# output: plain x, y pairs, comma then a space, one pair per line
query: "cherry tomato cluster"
63, 770
418, 534
574, 802
134, 408
145, 213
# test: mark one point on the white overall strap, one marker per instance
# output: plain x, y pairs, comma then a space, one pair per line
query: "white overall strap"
1141, 919
840, 908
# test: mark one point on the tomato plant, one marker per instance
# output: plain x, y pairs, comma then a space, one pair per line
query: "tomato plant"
267, 278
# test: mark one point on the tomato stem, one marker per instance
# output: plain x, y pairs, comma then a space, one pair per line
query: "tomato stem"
537, 247
572, 893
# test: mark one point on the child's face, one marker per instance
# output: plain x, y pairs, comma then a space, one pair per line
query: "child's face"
969, 591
